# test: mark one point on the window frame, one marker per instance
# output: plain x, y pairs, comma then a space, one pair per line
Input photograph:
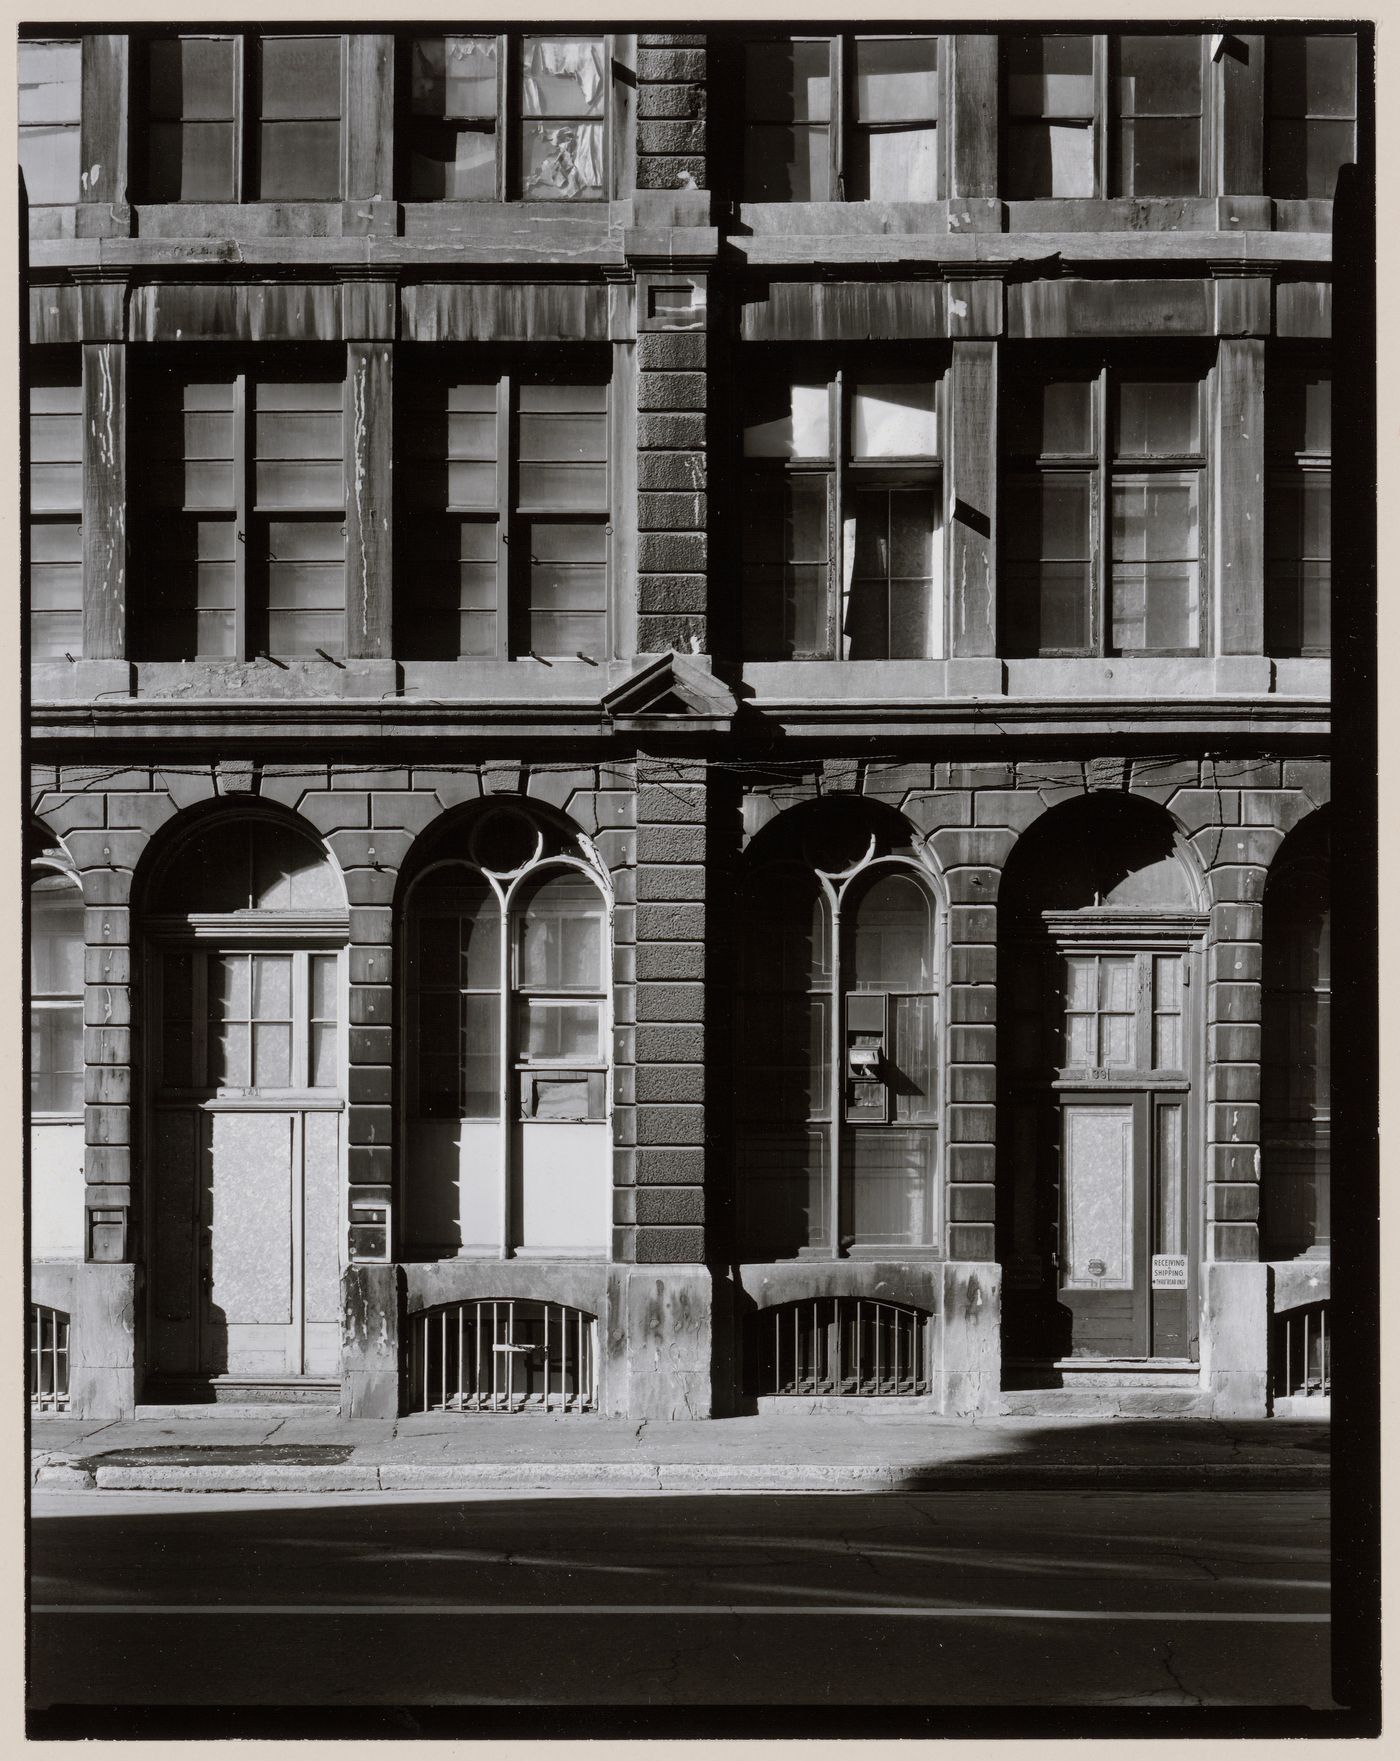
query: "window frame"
250, 521
1292, 469
507, 886
428, 370
68, 124
1108, 116
509, 119
841, 125
839, 895
53, 370
1273, 118
844, 474
1106, 469
42, 869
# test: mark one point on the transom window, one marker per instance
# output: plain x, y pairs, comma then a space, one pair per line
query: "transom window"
1298, 430
198, 89
55, 991
505, 489
1092, 115
1102, 512
842, 118
50, 119
244, 540
1312, 114
54, 484
843, 517
491, 117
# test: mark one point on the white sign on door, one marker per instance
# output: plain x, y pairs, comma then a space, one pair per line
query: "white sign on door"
1169, 1271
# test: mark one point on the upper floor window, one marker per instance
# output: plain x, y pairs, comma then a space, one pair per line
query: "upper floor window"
50, 115
196, 148
1298, 525
55, 990
1104, 116
244, 496
55, 496
841, 118
490, 117
503, 547
843, 517
1101, 522
1312, 114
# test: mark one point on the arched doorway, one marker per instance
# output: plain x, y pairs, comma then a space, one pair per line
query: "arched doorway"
245, 929
1101, 932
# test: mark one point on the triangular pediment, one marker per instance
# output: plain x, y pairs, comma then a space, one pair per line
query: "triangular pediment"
670, 688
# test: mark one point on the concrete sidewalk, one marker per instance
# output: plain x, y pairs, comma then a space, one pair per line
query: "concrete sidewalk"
208, 1450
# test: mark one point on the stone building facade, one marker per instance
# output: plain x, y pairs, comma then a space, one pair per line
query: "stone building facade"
679, 715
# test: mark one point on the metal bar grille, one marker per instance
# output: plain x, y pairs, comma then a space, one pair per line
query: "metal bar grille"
503, 1355
842, 1345
48, 1359
1302, 1352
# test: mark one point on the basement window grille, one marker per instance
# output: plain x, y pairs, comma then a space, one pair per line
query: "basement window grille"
48, 1359
1302, 1352
843, 1345
503, 1356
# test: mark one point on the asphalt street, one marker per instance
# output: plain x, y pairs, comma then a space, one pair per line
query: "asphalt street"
1101, 1598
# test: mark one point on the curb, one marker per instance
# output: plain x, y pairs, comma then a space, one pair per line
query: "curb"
585, 1477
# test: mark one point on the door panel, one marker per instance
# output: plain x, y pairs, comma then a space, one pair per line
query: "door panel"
321, 1235
248, 1219
174, 1168
1102, 1256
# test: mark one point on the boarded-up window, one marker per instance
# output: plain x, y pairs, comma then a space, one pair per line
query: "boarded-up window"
850, 118
1312, 114
192, 146
496, 460
55, 485
1298, 526
245, 542
50, 112
1050, 139
842, 525
299, 118
1102, 530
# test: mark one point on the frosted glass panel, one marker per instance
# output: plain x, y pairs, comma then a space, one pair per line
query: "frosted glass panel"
1098, 1196
896, 421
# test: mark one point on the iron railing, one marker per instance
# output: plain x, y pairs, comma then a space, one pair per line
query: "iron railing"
1302, 1352
48, 1358
503, 1355
842, 1345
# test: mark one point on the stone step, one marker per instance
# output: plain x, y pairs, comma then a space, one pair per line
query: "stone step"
1106, 1402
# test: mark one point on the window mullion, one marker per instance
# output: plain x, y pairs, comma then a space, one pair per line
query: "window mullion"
836, 523
505, 1064
1103, 116
1101, 571
505, 119
505, 477
242, 536
837, 1086
836, 111
300, 1072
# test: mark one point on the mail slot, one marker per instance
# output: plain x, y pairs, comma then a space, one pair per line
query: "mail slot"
867, 1095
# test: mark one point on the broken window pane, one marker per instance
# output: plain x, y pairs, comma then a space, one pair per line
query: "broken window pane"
563, 82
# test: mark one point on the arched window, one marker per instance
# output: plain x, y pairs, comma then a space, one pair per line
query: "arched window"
505, 1093
838, 975
55, 992
1297, 1059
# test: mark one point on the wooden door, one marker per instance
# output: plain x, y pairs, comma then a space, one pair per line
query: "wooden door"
1104, 1223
